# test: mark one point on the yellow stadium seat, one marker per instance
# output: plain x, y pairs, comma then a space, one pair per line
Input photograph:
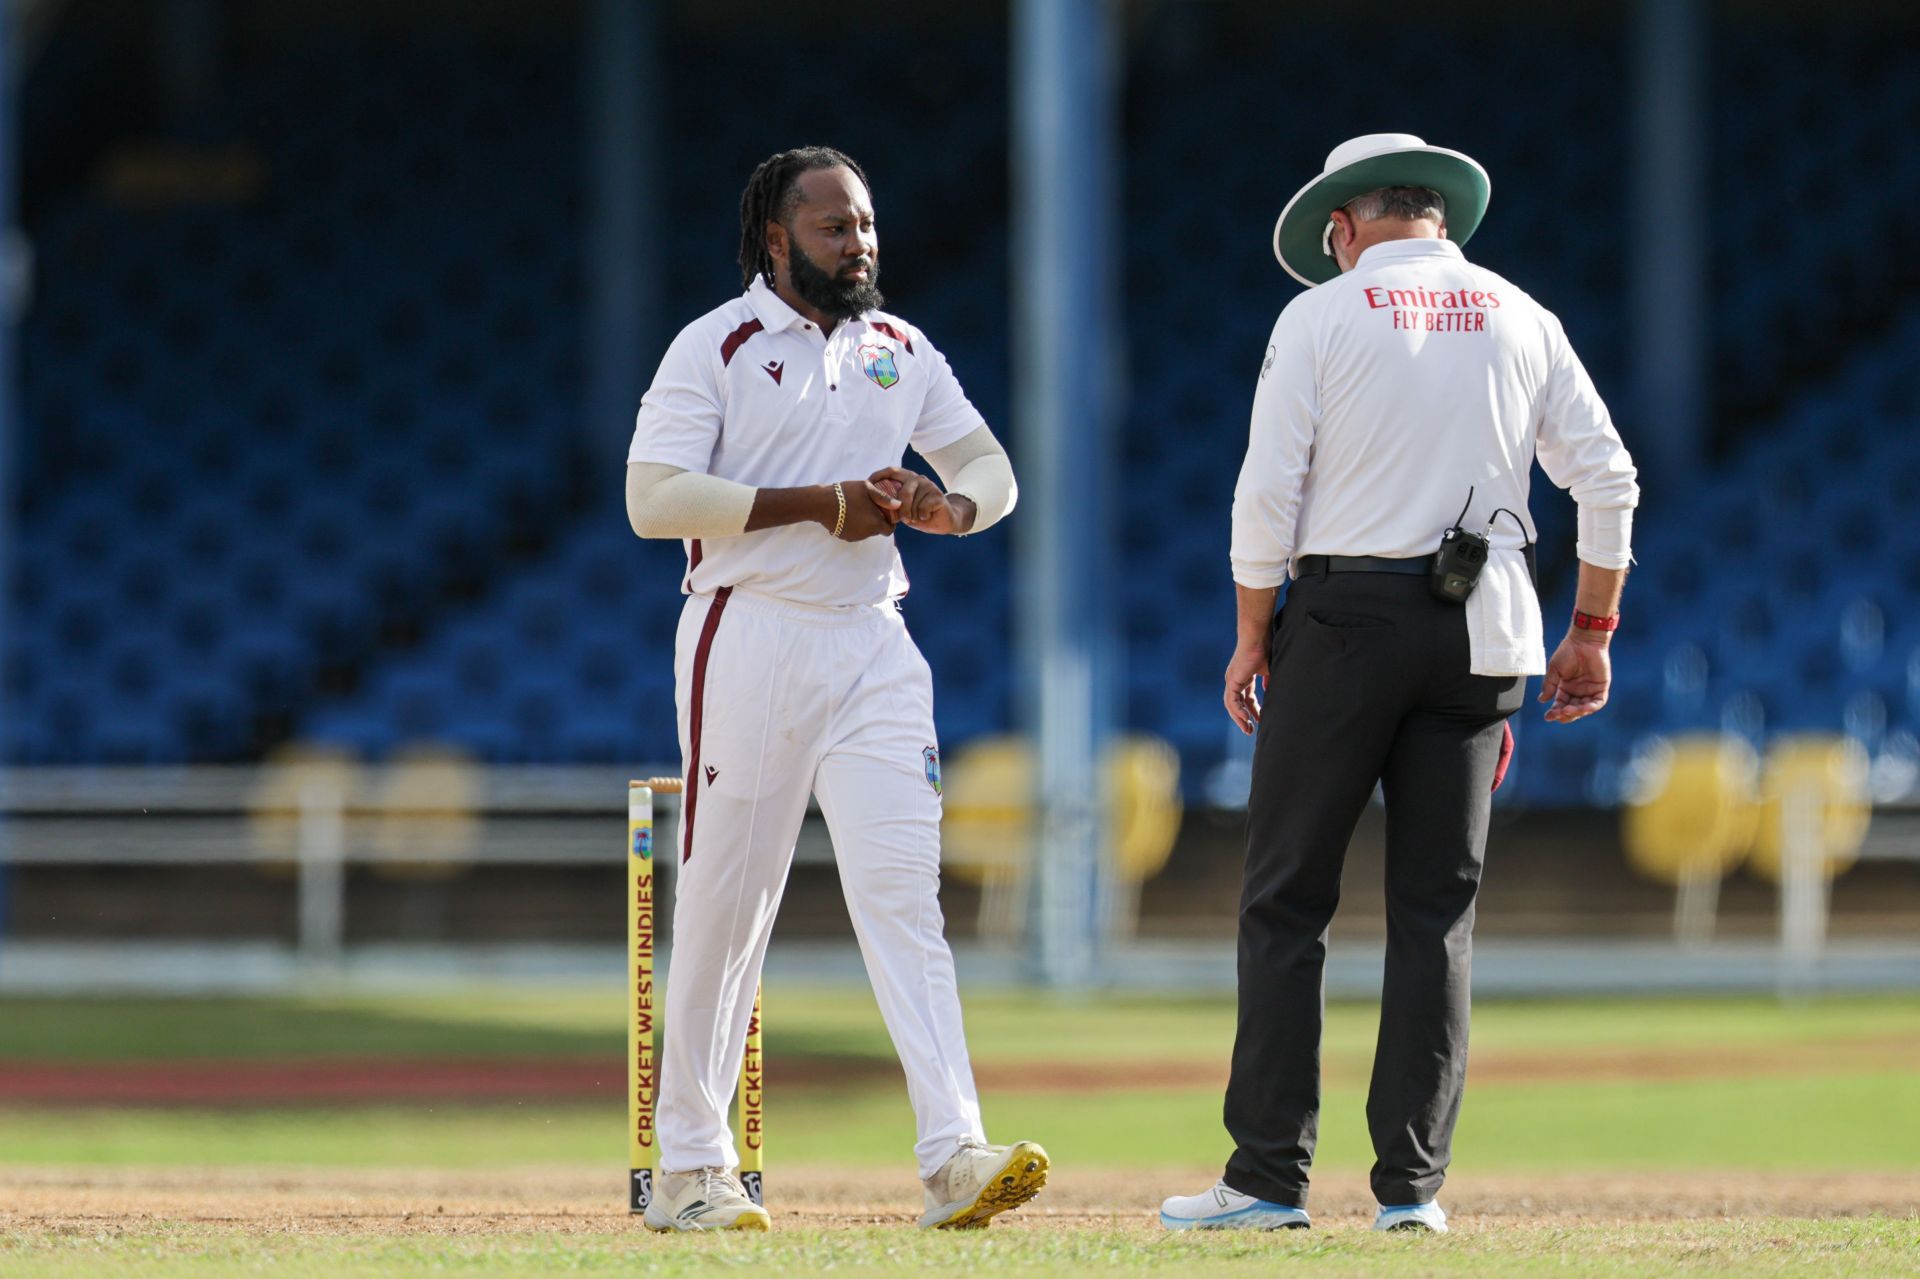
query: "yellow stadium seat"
294, 775
426, 822
1831, 772
1697, 815
987, 836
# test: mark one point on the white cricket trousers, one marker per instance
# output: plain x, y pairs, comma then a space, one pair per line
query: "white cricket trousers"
778, 701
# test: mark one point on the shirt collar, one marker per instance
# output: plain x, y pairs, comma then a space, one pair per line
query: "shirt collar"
769, 308
1400, 250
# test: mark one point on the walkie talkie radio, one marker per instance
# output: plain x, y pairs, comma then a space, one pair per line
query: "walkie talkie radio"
1462, 554
1457, 565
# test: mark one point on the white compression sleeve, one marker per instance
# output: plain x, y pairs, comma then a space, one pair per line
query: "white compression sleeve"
1605, 537
976, 467
665, 501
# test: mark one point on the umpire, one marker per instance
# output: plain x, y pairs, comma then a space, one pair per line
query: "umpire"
1398, 413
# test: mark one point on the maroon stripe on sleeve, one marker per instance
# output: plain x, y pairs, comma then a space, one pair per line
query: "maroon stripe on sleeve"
893, 333
736, 338
696, 705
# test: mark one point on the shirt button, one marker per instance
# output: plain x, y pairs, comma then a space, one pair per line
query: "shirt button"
807, 327
834, 387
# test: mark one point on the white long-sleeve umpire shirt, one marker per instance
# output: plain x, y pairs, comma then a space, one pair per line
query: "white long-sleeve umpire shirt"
1390, 391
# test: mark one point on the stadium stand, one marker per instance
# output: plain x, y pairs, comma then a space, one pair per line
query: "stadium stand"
269, 438
1780, 598
1801, 109
330, 483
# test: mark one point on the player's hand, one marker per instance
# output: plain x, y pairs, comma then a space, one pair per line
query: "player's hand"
1578, 677
871, 511
922, 503
1244, 675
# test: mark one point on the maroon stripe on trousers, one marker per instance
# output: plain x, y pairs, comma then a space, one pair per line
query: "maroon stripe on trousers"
693, 562
696, 705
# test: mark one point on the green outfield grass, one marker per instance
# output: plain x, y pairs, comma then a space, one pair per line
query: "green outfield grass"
1838, 1123
1865, 1247
1698, 1088
1846, 1114
1001, 1025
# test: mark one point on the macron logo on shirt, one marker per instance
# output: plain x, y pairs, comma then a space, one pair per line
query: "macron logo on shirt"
1435, 310
774, 369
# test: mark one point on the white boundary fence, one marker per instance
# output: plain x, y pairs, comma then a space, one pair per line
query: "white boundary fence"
315, 826
316, 822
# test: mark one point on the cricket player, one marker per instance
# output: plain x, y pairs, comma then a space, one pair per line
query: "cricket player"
771, 442
1402, 401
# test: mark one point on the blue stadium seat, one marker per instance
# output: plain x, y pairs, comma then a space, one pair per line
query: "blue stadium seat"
328, 474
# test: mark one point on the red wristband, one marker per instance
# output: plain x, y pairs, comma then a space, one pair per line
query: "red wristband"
1589, 622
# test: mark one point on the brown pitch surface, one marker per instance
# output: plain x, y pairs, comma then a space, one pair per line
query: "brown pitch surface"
278, 1201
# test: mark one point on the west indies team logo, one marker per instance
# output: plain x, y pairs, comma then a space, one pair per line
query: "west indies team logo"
643, 842
931, 757
876, 358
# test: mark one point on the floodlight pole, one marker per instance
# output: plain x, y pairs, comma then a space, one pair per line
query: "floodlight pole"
1066, 357
13, 298
1668, 272
623, 171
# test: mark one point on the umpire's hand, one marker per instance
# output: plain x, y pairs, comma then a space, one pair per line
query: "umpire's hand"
1244, 673
1578, 677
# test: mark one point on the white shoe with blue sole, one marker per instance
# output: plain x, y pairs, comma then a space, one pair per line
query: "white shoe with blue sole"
1224, 1208
1417, 1218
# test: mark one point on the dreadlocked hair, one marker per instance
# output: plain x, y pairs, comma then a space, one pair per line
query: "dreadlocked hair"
769, 197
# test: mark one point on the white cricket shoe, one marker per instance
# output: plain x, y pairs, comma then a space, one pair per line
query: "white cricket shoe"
1224, 1208
708, 1199
1424, 1218
981, 1181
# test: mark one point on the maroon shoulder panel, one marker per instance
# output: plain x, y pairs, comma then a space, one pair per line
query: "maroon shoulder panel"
893, 333
736, 338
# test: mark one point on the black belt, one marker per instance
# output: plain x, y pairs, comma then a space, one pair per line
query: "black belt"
1319, 565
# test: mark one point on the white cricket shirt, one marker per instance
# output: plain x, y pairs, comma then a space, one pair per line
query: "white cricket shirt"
1390, 391
754, 392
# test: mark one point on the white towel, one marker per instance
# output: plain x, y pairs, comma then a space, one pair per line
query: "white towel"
1503, 619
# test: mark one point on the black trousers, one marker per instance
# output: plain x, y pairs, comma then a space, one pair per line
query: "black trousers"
1368, 683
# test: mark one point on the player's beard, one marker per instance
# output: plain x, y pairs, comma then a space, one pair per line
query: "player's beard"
834, 295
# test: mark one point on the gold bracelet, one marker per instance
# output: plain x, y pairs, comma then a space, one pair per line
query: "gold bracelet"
840, 520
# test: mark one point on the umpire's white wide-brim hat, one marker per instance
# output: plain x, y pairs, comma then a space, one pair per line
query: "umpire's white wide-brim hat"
1365, 164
